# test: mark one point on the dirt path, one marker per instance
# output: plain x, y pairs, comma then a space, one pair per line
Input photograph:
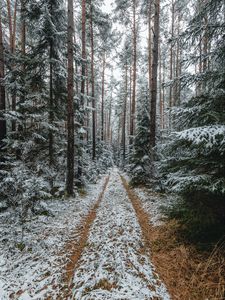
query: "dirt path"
114, 263
74, 248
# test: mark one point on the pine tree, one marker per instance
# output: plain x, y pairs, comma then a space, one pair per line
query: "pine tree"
140, 166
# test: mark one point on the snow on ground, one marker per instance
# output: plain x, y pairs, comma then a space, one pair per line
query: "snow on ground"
33, 271
152, 203
112, 265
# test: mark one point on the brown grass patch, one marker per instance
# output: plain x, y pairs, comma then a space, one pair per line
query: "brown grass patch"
189, 274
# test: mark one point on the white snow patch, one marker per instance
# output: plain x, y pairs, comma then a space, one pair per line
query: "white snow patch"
33, 271
152, 203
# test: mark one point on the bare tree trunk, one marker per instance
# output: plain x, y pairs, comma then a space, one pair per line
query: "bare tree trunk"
51, 101
23, 31
155, 56
103, 94
205, 46
12, 42
130, 104
83, 65
51, 106
93, 86
14, 27
125, 115
163, 92
82, 92
161, 104
171, 96
149, 46
171, 57
133, 104
178, 67
2, 87
87, 114
70, 112
10, 25
76, 64
109, 119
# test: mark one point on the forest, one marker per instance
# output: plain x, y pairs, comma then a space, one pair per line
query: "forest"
112, 149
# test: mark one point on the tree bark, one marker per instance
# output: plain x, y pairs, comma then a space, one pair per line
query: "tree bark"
103, 94
109, 119
133, 104
51, 107
93, 86
23, 30
171, 100
12, 43
2, 87
161, 99
155, 58
149, 47
83, 65
125, 115
70, 106
82, 91
51, 101
87, 114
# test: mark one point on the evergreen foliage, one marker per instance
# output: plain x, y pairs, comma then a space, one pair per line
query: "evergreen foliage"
140, 163
193, 159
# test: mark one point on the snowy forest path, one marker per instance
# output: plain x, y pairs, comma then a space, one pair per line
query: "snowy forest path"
114, 264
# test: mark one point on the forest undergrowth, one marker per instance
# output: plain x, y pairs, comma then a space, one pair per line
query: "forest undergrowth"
190, 269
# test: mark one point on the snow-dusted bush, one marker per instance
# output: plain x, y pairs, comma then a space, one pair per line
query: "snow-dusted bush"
193, 160
194, 157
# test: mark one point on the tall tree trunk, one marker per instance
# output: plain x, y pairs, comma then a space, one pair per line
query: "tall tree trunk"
51, 106
23, 31
171, 95
125, 115
171, 100
149, 46
103, 94
83, 65
161, 99
109, 118
82, 91
177, 67
12, 43
23, 66
130, 102
76, 64
155, 58
205, 48
163, 91
87, 114
133, 104
2, 87
93, 86
51, 101
70, 108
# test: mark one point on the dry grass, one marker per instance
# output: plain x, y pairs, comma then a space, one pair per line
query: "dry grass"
189, 274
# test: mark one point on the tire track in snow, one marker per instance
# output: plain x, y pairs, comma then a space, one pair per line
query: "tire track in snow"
113, 264
75, 247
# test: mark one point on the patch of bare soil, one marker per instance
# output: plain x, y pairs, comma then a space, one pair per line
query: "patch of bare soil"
188, 273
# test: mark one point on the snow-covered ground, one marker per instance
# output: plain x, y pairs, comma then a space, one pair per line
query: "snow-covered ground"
33, 272
153, 202
113, 265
